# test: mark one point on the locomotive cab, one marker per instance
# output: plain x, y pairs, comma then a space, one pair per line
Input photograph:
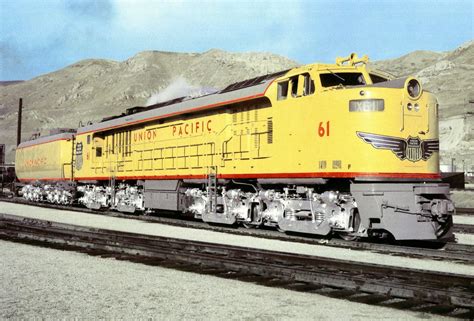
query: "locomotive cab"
368, 137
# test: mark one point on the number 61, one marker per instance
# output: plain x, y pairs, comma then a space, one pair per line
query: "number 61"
323, 131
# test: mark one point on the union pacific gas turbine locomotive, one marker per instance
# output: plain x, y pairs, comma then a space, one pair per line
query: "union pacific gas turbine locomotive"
316, 149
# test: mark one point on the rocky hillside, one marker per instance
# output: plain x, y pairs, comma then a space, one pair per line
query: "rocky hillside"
92, 89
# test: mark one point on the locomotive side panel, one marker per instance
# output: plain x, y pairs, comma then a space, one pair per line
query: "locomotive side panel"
237, 140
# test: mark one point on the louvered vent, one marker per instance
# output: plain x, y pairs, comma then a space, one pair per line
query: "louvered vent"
269, 131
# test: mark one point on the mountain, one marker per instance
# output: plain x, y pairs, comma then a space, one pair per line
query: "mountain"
92, 89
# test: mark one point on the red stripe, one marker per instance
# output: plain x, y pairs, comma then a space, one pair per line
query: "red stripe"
42, 179
177, 113
276, 175
49, 141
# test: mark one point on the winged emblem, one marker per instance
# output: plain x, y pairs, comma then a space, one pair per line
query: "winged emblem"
411, 148
428, 147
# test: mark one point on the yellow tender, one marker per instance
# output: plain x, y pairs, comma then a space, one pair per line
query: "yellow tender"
303, 124
45, 159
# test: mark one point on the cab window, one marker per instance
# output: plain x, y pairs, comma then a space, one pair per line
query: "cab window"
294, 86
331, 79
282, 90
308, 85
376, 78
300, 85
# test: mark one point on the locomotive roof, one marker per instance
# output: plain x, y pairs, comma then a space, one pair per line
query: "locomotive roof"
237, 92
46, 139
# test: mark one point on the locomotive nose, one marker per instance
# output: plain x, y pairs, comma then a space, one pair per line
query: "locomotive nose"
416, 107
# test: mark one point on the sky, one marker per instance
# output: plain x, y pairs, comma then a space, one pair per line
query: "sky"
41, 36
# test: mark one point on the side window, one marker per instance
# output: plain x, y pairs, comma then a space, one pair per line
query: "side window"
88, 139
98, 152
308, 85
282, 90
294, 86
300, 85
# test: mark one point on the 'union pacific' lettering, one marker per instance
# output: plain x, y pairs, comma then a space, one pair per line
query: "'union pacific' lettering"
192, 128
32, 163
145, 135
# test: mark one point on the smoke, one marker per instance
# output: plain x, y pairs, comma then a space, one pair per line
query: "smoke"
179, 88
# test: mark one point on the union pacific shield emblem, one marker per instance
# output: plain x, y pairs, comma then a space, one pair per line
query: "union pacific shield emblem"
412, 148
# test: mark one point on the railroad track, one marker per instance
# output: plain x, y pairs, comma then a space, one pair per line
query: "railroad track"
460, 253
465, 211
464, 228
424, 291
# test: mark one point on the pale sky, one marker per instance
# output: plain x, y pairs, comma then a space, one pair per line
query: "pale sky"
41, 36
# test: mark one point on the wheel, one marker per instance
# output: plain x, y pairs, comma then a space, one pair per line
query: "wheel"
444, 227
254, 214
355, 225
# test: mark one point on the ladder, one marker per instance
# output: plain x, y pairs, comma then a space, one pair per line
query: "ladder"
211, 206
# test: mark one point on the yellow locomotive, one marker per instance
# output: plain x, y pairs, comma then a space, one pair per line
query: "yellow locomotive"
316, 149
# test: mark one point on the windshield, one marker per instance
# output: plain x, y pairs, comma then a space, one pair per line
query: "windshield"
376, 78
342, 78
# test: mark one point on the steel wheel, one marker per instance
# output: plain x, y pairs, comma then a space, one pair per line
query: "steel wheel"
355, 225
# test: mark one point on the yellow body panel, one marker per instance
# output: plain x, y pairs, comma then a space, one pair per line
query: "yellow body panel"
45, 161
312, 135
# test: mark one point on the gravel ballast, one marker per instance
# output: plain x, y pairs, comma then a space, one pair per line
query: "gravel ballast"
135, 226
43, 283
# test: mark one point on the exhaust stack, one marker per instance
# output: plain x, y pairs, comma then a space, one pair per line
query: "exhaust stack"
18, 132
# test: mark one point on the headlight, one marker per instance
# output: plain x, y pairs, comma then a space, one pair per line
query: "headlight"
366, 105
413, 88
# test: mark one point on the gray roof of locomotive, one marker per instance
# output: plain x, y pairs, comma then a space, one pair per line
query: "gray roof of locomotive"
46, 139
